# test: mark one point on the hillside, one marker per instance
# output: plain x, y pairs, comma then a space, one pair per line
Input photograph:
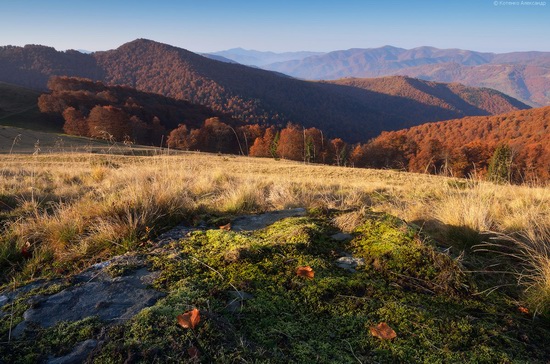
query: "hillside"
249, 94
466, 145
526, 82
90, 108
522, 75
18, 107
455, 98
27, 141
32, 65
219, 259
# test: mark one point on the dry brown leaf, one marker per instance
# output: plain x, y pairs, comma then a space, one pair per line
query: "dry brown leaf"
383, 331
306, 271
26, 251
189, 319
193, 352
226, 227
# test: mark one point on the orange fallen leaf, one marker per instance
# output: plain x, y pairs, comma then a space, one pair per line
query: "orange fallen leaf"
306, 271
524, 310
383, 331
26, 250
193, 352
189, 319
226, 227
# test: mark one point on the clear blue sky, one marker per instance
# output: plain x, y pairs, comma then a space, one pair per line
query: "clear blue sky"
315, 25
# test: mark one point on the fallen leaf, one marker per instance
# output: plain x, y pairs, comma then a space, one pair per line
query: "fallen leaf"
524, 310
189, 319
26, 250
226, 227
306, 271
383, 331
193, 352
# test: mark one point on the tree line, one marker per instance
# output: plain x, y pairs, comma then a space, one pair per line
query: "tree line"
461, 147
93, 109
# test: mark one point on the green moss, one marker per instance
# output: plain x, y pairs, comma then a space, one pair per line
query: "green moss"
391, 246
52, 342
326, 319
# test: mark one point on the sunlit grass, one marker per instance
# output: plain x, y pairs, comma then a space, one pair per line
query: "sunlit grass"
79, 208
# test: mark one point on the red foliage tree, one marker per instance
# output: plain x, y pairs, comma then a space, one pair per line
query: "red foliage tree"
108, 122
75, 123
340, 151
179, 138
315, 145
265, 146
291, 143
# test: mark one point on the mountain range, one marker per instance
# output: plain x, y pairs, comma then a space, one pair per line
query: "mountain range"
259, 58
254, 95
522, 75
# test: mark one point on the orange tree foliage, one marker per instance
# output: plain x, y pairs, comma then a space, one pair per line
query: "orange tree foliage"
291, 143
93, 109
75, 123
464, 146
266, 145
339, 150
179, 138
108, 122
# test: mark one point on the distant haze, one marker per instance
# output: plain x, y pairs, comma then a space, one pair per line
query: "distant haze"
522, 75
257, 58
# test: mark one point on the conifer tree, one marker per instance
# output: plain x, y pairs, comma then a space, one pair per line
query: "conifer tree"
500, 166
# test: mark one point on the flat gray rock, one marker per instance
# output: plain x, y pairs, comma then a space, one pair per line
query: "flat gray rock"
78, 355
341, 237
349, 263
260, 221
97, 294
176, 233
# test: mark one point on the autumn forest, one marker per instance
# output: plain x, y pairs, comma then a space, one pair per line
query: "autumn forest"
461, 147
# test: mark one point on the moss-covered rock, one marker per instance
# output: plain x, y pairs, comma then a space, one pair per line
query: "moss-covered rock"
399, 250
255, 308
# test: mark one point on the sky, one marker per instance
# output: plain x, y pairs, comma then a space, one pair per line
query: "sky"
279, 26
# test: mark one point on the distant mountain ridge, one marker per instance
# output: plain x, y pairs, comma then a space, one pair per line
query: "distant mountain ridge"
259, 58
522, 75
450, 96
250, 94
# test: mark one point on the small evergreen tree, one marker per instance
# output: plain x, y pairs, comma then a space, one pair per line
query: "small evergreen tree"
500, 166
274, 145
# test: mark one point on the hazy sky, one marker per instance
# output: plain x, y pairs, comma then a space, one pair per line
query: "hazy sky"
281, 25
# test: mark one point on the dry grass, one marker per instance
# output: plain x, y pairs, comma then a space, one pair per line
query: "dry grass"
83, 207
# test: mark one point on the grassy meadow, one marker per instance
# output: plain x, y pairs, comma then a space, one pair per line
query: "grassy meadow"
60, 213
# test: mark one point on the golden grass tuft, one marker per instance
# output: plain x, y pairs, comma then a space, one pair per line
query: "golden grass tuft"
531, 249
470, 207
349, 221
